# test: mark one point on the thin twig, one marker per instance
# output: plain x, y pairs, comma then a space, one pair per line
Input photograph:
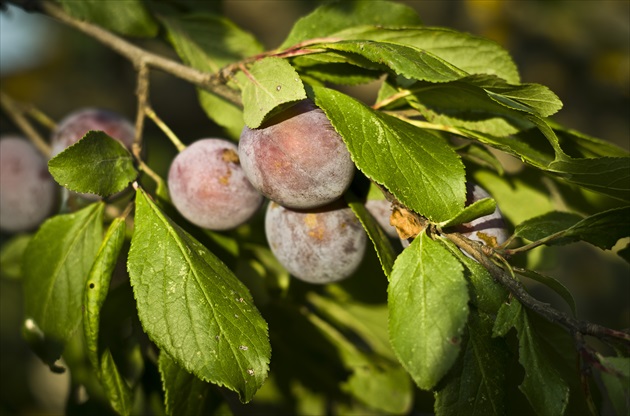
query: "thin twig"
165, 129
519, 292
142, 92
13, 111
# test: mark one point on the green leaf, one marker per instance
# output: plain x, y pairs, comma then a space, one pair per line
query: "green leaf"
336, 16
603, 229
463, 105
404, 60
545, 225
382, 245
130, 18
478, 382
185, 393
606, 175
485, 206
616, 378
96, 164
117, 390
56, 264
419, 168
472, 54
209, 42
115, 387
369, 321
546, 391
485, 293
427, 300
553, 284
11, 256
269, 83
531, 98
193, 307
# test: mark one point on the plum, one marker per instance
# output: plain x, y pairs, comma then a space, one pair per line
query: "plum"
489, 229
74, 126
297, 159
381, 210
208, 187
27, 190
321, 245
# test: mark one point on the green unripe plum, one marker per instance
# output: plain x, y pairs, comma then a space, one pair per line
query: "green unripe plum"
321, 245
27, 190
208, 187
297, 159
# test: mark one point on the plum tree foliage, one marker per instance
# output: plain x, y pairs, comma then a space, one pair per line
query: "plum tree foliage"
451, 313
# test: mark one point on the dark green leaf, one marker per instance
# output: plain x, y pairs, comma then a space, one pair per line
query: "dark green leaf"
96, 164
545, 225
606, 175
115, 387
130, 18
546, 391
382, 245
624, 253
589, 146
616, 378
97, 285
330, 18
472, 54
477, 209
56, 264
268, 84
185, 393
419, 168
404, 60
603, 229
428, 309
477, 384
11, 256
193, 307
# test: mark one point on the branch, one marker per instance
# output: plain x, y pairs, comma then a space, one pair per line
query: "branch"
519, 292
214, 83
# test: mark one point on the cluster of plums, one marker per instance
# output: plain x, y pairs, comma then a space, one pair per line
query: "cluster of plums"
296, 159
301, 164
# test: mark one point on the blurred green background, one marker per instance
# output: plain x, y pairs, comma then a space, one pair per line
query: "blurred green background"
580, 49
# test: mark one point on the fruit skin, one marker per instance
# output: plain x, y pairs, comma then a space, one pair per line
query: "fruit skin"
27, 190
297, 159
320, 246
381, 210
74, 126
489, 229
208, 187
